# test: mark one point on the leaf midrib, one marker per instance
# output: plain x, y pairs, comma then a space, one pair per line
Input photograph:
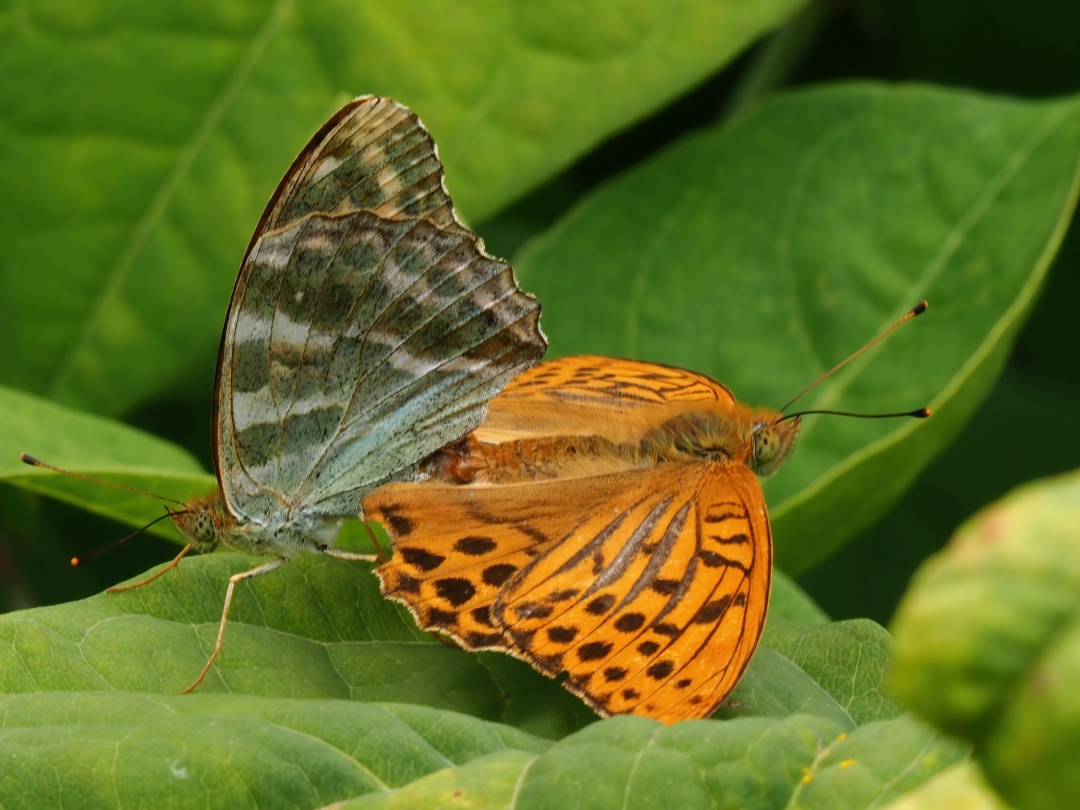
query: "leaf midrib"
159, 203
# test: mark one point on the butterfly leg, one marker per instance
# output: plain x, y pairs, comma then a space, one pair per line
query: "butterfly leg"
254, 572
381, 556
348, 555
152, 577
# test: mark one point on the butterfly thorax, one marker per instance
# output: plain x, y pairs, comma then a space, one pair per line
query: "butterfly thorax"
759, 438
723, 436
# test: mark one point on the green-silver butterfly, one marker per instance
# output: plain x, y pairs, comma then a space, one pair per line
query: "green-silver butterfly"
367, 329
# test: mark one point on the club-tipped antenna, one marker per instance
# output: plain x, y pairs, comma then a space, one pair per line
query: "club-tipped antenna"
919, 309
76, 561
921, 413
33, 462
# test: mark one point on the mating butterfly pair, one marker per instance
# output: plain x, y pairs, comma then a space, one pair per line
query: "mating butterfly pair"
602, 519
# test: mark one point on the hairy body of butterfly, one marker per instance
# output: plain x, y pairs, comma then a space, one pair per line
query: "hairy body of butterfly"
605, 521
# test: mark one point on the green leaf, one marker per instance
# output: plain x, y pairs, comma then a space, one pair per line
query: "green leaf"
97, 447
316, 634
767, 250
848, 659
774, 686
988, 642
114, 749
317, 628
142, 142
631, 762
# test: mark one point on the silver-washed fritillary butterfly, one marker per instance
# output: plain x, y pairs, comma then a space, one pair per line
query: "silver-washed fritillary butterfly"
367, 329
604, 521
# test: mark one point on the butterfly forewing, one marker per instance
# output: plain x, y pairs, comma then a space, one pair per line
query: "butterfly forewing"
650, 591
455, 547
372, 155
665, 614
367, 329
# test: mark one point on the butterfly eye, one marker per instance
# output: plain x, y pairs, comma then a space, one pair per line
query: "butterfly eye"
766, 445
204, 528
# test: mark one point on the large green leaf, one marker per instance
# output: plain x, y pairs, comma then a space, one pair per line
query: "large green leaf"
629, 762
314, 635
767, 250
988, 642
140, 142
116, 749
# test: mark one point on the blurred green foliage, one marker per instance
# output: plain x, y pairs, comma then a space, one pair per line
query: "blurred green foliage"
988, 642
627, 155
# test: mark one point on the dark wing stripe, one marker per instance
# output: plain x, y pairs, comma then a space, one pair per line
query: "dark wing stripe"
660, 556
617, 568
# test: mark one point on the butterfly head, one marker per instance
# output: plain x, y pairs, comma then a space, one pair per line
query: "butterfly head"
200, 522
774, 437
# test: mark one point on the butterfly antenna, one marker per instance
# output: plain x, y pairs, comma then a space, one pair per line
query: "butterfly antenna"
919, 309
33, 462
921, 413
76, 561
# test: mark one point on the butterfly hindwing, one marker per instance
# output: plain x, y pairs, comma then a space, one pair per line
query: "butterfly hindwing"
367, 329
587, 395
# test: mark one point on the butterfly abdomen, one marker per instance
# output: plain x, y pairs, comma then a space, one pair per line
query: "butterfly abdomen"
535, 458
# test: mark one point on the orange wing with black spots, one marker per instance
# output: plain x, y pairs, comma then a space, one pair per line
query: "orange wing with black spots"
649, 587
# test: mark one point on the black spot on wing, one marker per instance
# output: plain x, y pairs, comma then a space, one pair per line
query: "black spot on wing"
710, 559
734, 540
455, 590
562, 635
648, 648
660, 670
594, 650
398, 523
477, 640
601, 604
665, 587
475, 546
421, 558
629, 622
498, 574
712, 611
562, 596
434, 617
406, 584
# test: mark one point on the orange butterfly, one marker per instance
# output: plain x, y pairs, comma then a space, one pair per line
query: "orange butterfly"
605, 521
